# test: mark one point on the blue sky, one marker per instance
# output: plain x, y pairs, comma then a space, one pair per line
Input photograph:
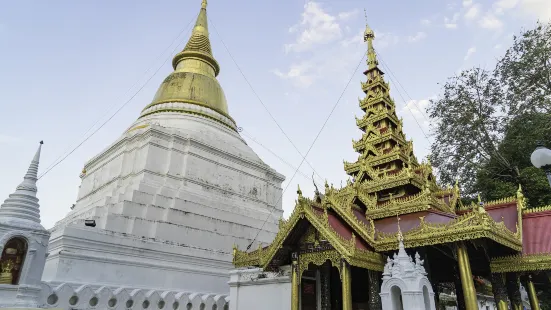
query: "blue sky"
65, 64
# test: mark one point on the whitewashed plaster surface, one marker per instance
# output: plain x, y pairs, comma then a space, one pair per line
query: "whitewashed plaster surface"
405, 283
170, 198
66, 296
252, 289
20, 218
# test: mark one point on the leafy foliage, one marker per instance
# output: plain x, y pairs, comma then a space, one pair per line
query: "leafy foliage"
495, 180
488, 122
468, 126
525, 71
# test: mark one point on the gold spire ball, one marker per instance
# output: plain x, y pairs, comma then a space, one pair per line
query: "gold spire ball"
195, 70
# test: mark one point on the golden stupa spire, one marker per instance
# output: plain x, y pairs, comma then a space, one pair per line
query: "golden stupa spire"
369, 36
193, 82
199, 42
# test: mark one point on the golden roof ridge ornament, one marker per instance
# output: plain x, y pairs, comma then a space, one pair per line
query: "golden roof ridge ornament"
400, 236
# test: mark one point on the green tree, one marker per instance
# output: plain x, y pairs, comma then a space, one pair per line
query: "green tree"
525, 71
483, 118
467, 127
494, 180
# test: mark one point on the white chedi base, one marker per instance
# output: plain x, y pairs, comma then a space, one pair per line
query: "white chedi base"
70, 297
405, 284
170, 198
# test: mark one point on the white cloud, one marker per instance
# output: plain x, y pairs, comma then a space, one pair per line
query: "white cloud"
417, 37
472, 12
316, 27
451, 23
540, 9
490, 21
425, 22
416, 111
355, 39
320, 41
299, 73
503, 5
470, 52
498, 46
320, 64
347, 15
386, 39
467, 3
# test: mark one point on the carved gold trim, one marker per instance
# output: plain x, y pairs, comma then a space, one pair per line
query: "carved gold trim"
489, 203
346, 248
472, 225
537, 209
318, 259
521, 263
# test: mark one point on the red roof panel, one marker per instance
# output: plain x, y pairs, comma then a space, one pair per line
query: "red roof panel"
341, 228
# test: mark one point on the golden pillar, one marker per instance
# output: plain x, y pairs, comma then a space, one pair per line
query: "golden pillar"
466, 276
534, 302
295, 286
500, 293
346, 278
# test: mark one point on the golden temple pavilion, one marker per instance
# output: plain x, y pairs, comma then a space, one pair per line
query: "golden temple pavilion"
347, 233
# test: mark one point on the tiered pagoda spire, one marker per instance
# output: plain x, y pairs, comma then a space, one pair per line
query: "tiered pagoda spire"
22, 205
386, 168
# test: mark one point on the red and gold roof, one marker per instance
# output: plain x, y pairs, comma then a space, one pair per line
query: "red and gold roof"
360, 220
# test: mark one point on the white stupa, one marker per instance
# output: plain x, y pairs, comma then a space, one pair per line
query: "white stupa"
172, 195
405, 282
23, 244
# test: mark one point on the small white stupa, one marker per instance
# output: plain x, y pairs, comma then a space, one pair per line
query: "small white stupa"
23, 244
405, 282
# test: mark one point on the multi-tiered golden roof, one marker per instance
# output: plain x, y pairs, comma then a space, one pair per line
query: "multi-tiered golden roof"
355, 226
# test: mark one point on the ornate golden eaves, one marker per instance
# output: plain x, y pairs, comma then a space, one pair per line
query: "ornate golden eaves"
320, 221
537, 210
372, 137
373, 115
521, 263
470, 226
422, 201
373, 98
375, 81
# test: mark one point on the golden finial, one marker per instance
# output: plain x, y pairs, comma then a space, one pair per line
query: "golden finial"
369, 36
299, 192
519, 191
400, 236
204, 4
